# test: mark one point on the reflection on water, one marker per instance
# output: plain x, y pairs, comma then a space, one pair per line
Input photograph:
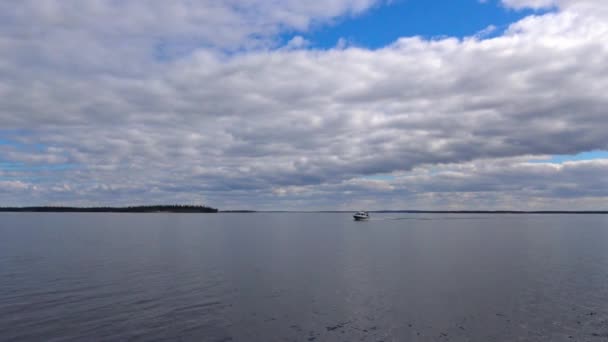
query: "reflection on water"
303, 277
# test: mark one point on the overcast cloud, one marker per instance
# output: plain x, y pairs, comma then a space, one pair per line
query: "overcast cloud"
105, 102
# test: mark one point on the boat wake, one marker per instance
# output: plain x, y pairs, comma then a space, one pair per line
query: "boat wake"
400, 218
426, 218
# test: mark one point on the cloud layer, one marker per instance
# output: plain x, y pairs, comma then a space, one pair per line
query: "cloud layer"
194, 102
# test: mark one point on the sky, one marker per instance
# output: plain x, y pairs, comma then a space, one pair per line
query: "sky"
305, 105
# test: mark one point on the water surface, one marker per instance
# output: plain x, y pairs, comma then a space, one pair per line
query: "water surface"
303, 277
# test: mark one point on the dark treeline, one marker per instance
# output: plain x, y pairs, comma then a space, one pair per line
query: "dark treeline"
132, 209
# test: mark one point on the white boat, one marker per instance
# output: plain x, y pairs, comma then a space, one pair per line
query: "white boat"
361, 215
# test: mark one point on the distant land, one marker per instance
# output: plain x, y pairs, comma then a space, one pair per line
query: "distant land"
496, 211
205, 209
132, 209
441, 211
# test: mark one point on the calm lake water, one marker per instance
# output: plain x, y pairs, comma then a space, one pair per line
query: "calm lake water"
303, 277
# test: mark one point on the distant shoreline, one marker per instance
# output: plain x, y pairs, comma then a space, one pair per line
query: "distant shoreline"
131, 209
423, 211
204, 209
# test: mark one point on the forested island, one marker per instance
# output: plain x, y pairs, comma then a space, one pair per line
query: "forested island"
131, 209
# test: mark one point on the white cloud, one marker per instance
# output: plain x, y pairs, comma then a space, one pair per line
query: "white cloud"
536, 4
12, 186
127, 36
486, 32
297, 42
245, 128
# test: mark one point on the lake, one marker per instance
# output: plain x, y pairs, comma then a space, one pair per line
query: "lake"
303, 277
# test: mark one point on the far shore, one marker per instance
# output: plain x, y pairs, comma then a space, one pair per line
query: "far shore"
205, 209
130, 209
436, 211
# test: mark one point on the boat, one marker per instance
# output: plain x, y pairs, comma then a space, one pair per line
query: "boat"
361, 215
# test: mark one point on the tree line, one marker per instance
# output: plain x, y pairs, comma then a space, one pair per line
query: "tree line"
129, 209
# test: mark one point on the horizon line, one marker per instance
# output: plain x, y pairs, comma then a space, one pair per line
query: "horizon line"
189, 207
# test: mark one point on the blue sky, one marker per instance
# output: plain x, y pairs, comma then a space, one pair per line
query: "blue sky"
562, 158
386, 23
